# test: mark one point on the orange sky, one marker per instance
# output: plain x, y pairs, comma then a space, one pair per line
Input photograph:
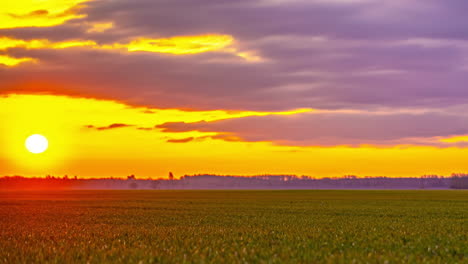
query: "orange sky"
76, 149
122, 88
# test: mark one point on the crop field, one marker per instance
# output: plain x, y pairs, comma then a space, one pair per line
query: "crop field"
234, 227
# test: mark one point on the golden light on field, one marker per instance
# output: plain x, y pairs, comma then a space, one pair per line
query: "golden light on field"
36, 143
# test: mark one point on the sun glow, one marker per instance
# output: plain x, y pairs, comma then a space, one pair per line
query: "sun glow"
37, 143
84, 139
102, 138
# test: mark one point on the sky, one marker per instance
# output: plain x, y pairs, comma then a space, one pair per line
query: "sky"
323, 88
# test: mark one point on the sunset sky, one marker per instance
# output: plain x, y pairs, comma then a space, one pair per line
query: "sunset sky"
316, 87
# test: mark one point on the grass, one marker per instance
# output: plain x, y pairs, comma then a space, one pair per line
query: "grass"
234, 227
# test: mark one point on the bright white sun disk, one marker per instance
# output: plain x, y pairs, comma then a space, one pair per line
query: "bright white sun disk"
37, 143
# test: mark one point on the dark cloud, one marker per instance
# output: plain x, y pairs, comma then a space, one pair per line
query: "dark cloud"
183, 140
111, 126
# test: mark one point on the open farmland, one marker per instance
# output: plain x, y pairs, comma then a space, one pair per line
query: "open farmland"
234, 226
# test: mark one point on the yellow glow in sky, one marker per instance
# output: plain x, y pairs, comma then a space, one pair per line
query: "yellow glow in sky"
71, 142
180, 45
8, 43
75, 149
177, 45
100, 27
38, 13
11, 61
456, 139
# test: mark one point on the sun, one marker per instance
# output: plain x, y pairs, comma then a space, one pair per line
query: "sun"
36, 143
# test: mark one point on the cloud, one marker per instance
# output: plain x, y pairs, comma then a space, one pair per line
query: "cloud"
145, 128
182, 140
111, 126
33, 13
12, 61
334, 128
315, 54
180, 45
9, 43
99, 27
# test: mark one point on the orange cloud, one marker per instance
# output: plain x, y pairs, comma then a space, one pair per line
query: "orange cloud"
39, 13
456, 139
181, 45
100, 27
182, 140
12, 61
8, 43
112, 126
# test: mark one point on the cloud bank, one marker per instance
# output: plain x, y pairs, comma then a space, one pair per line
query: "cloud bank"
259, 55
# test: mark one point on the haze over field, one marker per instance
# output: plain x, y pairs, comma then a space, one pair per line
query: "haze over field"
321, 88
227, 182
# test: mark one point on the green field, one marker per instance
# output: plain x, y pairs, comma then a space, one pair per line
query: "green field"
234, 227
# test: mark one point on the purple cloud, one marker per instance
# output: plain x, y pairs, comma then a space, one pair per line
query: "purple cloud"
335, 128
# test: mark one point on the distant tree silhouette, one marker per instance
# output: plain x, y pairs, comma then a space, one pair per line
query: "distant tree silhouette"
459, 181
171, 176
132, 184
